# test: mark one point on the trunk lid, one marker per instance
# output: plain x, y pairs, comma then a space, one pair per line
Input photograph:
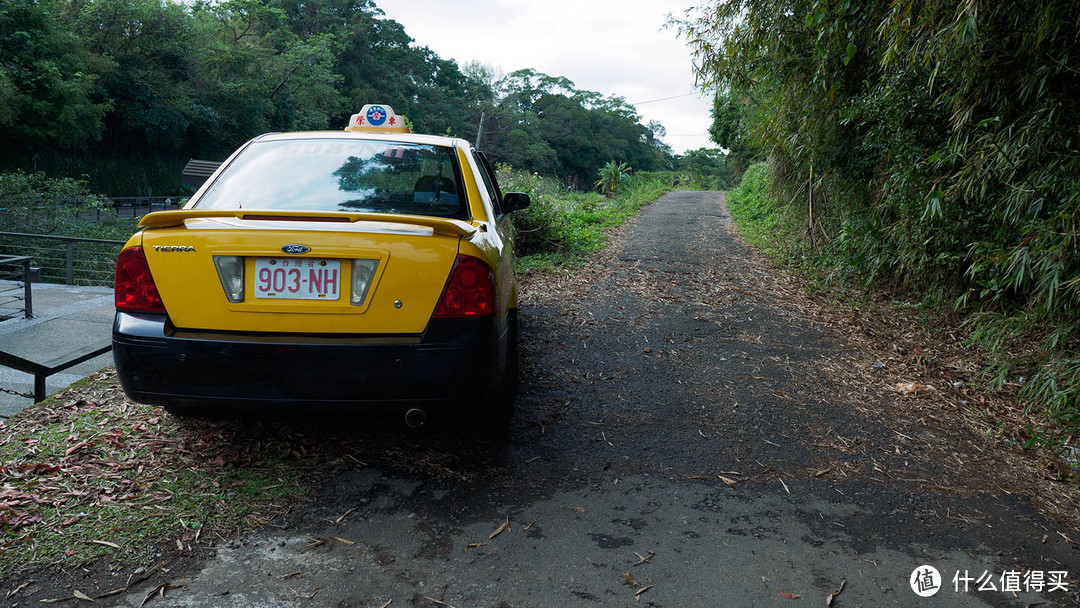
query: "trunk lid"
297, 269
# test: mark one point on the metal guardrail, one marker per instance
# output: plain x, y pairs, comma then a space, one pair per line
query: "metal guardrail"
10, 290
66, 259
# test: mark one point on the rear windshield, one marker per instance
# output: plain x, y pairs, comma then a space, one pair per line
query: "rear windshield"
341, 175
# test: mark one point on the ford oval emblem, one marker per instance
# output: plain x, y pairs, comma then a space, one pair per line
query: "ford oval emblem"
295, 249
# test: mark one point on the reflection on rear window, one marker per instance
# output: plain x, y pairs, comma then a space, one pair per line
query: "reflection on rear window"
337, 175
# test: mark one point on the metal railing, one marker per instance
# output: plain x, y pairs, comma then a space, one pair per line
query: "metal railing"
123, 207
65, 259
12, 291
134, 207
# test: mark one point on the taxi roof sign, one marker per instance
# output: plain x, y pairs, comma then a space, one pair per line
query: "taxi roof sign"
377, 117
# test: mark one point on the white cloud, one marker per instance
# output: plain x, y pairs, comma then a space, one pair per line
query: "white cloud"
614, 48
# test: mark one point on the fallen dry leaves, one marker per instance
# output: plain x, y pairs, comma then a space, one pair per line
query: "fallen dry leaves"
159, 591
88, 453
832, 596
504, 527
644, 559
914, 388
897, 362
637, 594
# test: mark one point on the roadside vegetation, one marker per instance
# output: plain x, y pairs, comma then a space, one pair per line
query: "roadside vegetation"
925, 151
36, 204
562, 226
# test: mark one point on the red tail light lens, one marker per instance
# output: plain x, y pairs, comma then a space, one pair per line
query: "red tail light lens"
470, 292
135, 289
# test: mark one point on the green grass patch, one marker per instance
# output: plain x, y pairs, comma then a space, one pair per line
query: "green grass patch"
562, 227
760, 219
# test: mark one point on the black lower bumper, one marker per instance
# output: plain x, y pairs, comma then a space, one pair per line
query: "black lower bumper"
454, 363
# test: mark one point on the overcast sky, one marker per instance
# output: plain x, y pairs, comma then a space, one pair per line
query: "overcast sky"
611, 47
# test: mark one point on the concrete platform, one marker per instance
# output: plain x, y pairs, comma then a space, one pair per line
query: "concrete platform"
66, 319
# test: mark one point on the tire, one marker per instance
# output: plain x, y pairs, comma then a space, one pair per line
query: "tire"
495, 414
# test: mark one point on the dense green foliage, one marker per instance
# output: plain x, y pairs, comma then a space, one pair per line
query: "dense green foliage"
37, 204
124, 92
543, 124
938, 143
710, 168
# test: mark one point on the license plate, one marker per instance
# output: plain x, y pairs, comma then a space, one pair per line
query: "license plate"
297, 279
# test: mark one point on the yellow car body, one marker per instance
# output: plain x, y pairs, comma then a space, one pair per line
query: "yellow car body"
368, 268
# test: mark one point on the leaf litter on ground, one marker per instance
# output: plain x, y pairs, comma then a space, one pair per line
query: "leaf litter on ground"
88, 459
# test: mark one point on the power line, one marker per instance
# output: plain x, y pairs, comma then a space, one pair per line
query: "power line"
638, 103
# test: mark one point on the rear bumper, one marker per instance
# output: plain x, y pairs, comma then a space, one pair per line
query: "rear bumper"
455, 363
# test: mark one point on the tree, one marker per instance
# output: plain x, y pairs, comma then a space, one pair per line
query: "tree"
581, 129
47, 81
146, 85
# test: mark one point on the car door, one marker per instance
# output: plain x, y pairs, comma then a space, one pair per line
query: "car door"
503, 223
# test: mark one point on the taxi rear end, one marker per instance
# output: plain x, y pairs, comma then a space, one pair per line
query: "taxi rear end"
324, 270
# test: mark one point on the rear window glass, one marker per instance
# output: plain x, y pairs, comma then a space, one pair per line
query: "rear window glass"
340, 175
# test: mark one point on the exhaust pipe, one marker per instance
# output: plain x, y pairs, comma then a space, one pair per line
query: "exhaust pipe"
415, 418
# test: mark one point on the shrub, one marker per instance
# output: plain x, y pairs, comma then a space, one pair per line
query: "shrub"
37, 204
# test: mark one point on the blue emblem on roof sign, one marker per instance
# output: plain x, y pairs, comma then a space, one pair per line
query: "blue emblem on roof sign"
376, 115
296, 249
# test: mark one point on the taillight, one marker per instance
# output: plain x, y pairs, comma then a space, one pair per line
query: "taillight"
470, 292
135, 289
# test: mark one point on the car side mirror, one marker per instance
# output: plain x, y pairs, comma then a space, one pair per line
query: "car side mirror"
514, 201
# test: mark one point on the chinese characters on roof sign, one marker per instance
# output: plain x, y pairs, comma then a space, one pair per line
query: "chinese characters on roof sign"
377, 117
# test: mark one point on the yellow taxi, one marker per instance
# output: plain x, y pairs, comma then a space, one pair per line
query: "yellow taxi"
368, 267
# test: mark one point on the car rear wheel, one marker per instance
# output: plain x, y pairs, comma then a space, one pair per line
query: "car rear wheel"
496, 412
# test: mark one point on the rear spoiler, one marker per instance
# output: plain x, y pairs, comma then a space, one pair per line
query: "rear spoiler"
447, 227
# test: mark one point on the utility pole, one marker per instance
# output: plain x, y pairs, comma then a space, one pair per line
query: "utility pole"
480, 130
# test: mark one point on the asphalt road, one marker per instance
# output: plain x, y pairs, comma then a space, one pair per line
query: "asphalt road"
683, 438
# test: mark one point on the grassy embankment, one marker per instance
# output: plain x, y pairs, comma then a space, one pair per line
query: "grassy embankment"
1009, 360
88, 474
